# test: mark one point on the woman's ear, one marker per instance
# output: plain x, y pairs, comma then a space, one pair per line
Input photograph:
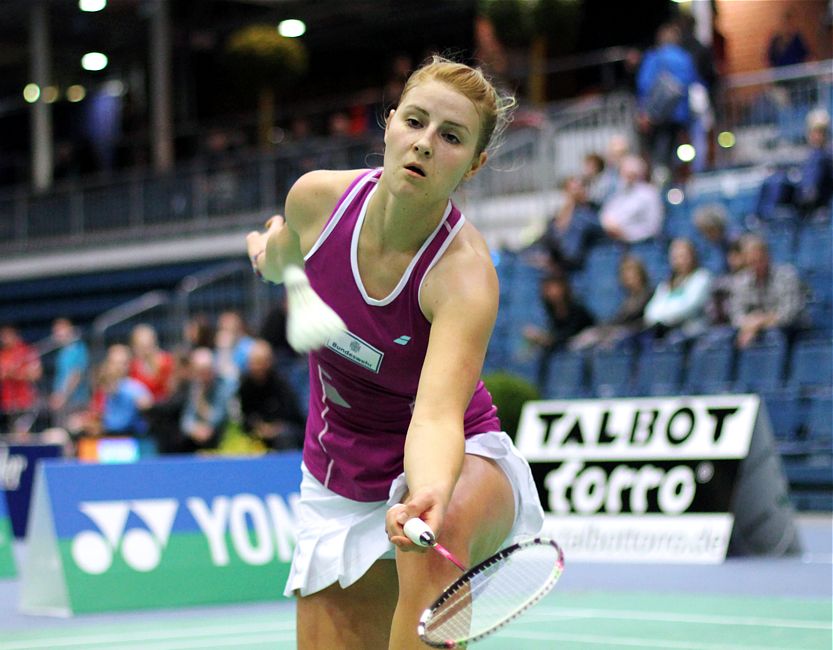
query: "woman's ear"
476, 165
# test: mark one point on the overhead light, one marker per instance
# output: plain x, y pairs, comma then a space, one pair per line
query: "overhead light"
31, 93
93, 61
91, 5
50, 94
292, 28
76, 93
686, 152
726, 139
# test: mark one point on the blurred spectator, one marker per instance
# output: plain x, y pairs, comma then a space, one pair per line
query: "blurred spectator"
566, 317
787, 46
628, 319
70, 384
662, 84
206, 408
197, 332
635, 212
599, 184
119, 400
273, 328
718, 306
815, 186
164, 417
702, 92
20, 370
150, 365
764, 296
232, 345
677, 310
267, 403
573, 228
712, 222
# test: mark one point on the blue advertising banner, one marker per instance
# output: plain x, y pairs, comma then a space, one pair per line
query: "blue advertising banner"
17, 473
7, 566
160, 533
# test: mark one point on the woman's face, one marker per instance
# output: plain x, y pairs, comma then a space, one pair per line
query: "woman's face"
630, 277
430, 142
681, 257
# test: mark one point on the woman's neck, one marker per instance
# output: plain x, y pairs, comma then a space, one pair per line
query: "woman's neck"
402, 225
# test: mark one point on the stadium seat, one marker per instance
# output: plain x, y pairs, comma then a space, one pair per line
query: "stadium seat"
811, 366
815, 248
566, 376
659, 371
611, 372
786, 415
760, 367
820, 422
709, 368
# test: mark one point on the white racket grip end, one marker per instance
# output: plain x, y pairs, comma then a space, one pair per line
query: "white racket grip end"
419, 532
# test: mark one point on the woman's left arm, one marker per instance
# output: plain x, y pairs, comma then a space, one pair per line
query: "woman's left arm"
460, 298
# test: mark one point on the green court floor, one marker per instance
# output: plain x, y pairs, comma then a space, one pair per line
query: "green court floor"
566, 621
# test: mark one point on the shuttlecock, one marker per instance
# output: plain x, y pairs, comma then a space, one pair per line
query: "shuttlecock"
310, 321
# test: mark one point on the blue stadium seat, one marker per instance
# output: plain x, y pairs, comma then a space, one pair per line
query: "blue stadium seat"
659, 371
786, 414
815, 247
820, 422
761, 366
611, 372
709, 368
567, 376
811, 366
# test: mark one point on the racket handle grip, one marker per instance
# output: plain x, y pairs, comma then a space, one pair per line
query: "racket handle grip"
419, 532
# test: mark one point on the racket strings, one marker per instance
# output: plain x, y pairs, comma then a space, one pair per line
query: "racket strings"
494, 595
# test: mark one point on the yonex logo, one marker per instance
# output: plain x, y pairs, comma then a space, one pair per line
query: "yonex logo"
141, 548
402, 340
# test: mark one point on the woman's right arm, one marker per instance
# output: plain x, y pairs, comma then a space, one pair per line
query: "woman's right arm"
286, 240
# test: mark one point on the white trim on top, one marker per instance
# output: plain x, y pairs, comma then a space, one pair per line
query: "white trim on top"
354, 256
452, 233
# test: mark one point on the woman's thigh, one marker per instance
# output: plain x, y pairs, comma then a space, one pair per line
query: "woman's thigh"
356, 618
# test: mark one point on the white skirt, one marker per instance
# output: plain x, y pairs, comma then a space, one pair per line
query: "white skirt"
339, 539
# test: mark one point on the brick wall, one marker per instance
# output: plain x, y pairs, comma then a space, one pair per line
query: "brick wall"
748, 25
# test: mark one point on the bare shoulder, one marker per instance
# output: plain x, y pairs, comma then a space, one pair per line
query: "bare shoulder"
311, 200
464, 276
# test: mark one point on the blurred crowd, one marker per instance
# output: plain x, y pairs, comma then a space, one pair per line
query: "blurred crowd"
219, 381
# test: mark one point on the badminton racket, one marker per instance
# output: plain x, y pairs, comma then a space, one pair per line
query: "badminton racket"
489, 595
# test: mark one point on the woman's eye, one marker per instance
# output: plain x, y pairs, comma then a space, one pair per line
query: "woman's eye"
413, 122
453, 139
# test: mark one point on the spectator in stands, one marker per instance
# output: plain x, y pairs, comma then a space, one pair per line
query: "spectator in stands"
119, 400
717, 307
765, 297
232, 345
164, 417
206, 408
197, 332
273, 329
573, 229
712, 222
815, 186
70, 385
662, 83
150, 364
600, 185
634, 212
566, 317
20, 370
267, 403
787, 45
618, 148
627, 322
676, 312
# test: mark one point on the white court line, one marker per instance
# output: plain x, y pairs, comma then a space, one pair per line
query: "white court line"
669, 617
609, 641
65, 641
236, 641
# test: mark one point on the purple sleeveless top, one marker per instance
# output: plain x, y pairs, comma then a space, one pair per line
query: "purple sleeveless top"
363, 383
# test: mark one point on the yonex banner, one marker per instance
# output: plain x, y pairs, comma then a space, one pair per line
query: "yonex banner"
7, 566
17, 473
657, 479
159, 533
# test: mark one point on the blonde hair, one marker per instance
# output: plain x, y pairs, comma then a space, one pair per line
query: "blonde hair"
495, 109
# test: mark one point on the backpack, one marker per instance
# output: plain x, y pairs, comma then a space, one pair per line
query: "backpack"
663, 98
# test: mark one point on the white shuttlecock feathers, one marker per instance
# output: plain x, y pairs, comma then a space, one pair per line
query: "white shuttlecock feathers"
310, 321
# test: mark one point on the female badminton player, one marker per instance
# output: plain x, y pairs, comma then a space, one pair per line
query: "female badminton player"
399, 423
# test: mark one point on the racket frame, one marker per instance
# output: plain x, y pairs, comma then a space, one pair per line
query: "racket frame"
466, 578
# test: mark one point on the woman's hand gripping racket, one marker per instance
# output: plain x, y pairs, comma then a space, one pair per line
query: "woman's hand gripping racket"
489, 595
